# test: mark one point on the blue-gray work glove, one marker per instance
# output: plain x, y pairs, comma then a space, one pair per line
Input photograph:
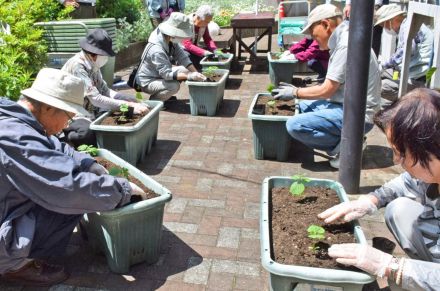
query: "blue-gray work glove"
285, 92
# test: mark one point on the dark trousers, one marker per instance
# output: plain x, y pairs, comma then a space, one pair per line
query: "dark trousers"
317, 67
196, 61
52, 233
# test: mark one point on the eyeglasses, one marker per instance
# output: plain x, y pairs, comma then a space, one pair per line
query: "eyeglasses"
70, 118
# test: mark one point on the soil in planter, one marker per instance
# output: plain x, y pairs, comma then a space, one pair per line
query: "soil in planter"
113, 119
281, 108
291, 216
275, 56
135, 198
213, 79
217, 59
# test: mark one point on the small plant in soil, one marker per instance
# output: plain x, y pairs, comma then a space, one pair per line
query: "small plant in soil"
219, 54
270, 87
315, 232
271, 105
210, 71
123, 109
139, 96
88, 149
297, 187
119, 172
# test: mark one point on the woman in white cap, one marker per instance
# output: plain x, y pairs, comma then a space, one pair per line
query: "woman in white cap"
393, 19
156, 75
45, 185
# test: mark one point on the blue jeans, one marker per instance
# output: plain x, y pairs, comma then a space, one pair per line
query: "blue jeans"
319, 126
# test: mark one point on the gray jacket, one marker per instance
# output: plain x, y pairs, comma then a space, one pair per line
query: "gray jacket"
417, 275
157, 59
39, 170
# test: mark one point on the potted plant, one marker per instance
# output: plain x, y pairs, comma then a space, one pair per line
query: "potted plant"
130, 234
269, 116
129, 140
283, 70
221, 60
308, 238
206, 97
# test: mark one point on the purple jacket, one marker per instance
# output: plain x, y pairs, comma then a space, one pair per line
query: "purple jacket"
308, 49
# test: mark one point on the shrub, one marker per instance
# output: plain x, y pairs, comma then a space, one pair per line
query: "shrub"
128, 9
24, 52
138, 31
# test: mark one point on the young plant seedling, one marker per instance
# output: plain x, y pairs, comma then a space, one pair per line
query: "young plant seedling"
210, 71
219, 54
297, 187
88, 149
270, 87
118, 172
124, 109
271, 105
315, 232
139, 96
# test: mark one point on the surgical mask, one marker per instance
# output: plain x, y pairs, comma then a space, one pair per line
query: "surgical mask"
177, 40
390, 31
101, 61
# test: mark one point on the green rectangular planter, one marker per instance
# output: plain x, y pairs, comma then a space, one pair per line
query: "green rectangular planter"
226, 65
285, 277
206, 97
131, 143
282, 70
270, 137
130, 234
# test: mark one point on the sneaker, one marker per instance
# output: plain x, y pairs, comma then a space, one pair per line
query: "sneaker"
37, 273
334, 163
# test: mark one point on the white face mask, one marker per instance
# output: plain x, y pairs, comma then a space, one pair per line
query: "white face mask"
390, 31
101, 61
177, 40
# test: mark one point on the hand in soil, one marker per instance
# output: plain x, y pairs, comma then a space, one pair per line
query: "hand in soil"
348, 211
362, 256
136, 190
139, 108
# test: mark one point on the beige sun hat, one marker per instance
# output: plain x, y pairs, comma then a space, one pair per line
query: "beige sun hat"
177, 25
58, 89
387, 12
321, 12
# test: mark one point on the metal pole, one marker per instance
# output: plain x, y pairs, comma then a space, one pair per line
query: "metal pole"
358, 62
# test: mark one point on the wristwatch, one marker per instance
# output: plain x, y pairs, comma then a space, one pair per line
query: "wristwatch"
393, 267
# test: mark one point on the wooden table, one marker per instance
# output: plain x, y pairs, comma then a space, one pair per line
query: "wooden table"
251, 20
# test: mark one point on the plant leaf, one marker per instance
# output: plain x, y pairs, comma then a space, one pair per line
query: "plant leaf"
429, 74
297, 188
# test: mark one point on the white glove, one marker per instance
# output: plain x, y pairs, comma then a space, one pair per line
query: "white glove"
136, 190
196, 76
97, 169
139, 108
287, 55
285, 92
349, 210
363, 256
208, 53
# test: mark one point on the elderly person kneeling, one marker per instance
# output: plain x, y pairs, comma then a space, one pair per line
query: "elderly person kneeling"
157, 76
45, 185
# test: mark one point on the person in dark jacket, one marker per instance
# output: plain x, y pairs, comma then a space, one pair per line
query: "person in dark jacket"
45, 185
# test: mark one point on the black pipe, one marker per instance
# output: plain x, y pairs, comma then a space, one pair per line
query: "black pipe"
358, 62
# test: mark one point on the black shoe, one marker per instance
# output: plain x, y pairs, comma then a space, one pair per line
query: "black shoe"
172, 98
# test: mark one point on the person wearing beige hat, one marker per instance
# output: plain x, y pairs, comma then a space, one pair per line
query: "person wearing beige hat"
393, 19
319, 125
45, 185
156, 75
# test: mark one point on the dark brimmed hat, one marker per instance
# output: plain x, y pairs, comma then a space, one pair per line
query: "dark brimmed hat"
97, 42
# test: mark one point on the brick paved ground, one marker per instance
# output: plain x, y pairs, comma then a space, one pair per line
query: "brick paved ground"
211, 229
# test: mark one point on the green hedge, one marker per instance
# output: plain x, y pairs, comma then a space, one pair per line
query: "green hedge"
24, 52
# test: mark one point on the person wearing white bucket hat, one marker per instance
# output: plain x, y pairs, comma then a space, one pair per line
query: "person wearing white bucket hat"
319, 126
393, 19
45, 185
156, 75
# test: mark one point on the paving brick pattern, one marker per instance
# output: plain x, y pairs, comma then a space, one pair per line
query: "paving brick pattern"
211, 229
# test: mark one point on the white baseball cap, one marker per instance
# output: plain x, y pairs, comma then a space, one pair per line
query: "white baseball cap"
323, 11
177, 25
58, 89
387, 12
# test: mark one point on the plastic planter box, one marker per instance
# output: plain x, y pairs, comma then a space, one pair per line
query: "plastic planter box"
285, 277
271, 140
226, 65
282, 70
205, 97
131, 143
131, 234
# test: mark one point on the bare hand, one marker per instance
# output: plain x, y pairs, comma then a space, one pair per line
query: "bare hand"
71, 3
346, 11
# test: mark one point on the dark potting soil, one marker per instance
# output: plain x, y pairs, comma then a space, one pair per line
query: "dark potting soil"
275, 56
113, 119
281, 108
217, 59
135, 198
291, 216
213, 79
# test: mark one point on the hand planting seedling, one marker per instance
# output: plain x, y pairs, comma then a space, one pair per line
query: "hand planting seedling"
124, 109
210, 71
297, 187
118, 172
88, 149
315, 232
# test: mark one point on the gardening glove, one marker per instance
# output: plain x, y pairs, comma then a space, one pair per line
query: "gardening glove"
285, 92
349, 210
136, 190
208, 53
139, 108
97, 169
362, 256
196, 76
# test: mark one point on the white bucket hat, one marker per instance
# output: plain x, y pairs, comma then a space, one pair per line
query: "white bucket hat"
58, 89
178, 25
323, 11
387, 12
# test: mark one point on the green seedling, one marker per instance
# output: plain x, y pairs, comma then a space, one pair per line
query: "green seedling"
210, 71
315, 232
139, 96
219, 54
89, 149
270, 87
119, 172
297, 187
124, 109
271, 103
429, 74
